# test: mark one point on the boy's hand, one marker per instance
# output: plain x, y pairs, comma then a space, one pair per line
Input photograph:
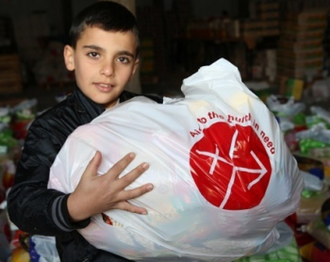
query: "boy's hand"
96, 194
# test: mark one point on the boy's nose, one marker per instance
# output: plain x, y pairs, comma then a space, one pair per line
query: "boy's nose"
108, 69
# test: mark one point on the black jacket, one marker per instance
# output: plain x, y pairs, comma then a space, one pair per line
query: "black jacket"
37, 210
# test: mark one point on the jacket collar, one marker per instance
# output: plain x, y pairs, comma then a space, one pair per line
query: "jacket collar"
85, 105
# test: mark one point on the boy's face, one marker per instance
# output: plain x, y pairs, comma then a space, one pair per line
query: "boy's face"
103, 63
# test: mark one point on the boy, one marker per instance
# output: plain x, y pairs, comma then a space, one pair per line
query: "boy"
103, 55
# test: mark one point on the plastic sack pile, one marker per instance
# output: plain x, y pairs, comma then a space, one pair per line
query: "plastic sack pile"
223, 176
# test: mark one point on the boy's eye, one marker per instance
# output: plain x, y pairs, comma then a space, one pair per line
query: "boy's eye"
93, 54
124, 60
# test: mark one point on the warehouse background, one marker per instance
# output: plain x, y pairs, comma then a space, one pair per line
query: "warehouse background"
177, 37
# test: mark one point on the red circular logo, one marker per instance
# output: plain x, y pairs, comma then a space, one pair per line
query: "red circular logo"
230, 166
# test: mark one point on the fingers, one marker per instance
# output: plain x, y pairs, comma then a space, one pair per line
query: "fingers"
136, 192
132, 194
131, 208
119, 167
124, 195
133, 174
93, 165
96, 194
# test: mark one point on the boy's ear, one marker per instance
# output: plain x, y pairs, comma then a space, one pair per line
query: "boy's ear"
68, 54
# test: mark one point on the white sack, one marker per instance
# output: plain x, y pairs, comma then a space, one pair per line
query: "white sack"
223, 176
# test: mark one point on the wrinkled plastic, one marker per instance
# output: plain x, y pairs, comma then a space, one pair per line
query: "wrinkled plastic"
285, 106
289, 253
311, 182
223, 176
321, 112
44, 249
317, 133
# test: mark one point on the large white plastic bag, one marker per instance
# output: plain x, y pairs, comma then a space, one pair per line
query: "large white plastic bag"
223, 176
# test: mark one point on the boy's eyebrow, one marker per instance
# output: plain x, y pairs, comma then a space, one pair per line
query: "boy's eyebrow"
97, 48
127, 53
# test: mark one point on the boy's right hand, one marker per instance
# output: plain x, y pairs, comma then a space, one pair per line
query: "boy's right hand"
96, 194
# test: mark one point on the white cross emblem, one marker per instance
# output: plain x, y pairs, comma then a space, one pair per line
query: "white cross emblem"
216, 157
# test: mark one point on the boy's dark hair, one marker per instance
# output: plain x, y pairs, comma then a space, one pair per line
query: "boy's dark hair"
106, 15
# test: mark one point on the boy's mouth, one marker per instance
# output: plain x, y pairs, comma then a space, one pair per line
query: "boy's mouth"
104, 87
